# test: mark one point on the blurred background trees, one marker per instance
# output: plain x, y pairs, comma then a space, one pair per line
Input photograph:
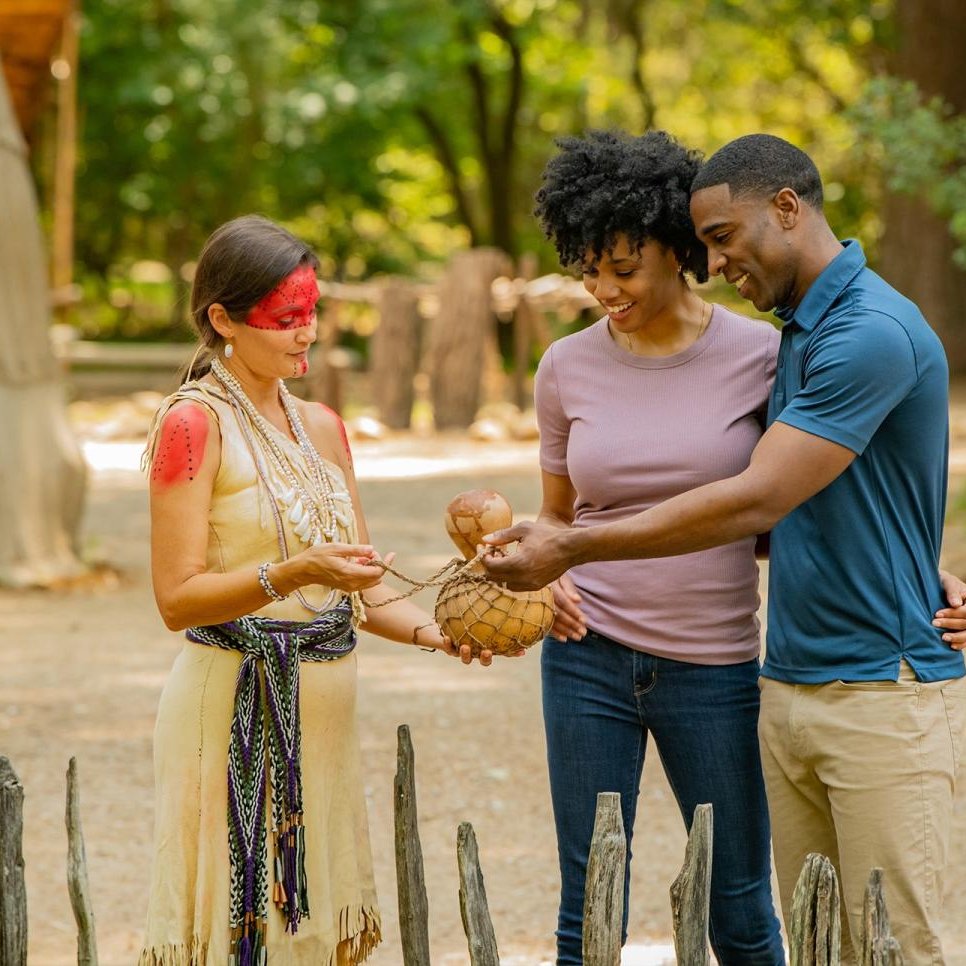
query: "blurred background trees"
397, 135
392, 133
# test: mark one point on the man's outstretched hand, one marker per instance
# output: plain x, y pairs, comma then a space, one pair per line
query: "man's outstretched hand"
538, 560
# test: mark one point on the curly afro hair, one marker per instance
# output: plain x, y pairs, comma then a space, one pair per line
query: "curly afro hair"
608, 183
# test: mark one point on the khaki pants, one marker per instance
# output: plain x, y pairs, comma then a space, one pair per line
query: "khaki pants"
864, 773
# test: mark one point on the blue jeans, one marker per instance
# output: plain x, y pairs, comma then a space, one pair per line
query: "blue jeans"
600, 702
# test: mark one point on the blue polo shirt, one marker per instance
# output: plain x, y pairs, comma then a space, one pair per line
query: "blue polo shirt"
853, 581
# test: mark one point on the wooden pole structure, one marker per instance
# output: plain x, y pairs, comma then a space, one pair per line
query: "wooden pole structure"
462, 336
523, 334
64, 69
879, 946
410, 878
77, 883
691, 892
394, 352
13, 891
815, 930
473, 906
604, 891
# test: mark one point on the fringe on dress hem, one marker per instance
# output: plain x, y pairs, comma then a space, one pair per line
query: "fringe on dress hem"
193, 953
360, 932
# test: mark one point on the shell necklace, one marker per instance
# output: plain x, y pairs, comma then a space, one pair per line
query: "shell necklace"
317, 509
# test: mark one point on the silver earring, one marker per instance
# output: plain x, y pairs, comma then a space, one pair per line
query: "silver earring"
229, 350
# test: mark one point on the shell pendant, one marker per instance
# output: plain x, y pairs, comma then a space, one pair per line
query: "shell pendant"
299, 516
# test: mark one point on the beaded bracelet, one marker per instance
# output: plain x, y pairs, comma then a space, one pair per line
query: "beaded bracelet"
267, 584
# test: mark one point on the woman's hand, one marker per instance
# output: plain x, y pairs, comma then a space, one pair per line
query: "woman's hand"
569, 622
432, 636
343, 566
952, 619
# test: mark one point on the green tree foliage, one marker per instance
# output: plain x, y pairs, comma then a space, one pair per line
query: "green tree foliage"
390, 132
920, 145
194, 111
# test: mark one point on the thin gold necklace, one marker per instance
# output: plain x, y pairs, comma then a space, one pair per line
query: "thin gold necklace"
705, 319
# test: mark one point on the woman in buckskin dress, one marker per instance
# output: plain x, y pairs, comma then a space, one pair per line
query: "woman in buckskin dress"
260, 553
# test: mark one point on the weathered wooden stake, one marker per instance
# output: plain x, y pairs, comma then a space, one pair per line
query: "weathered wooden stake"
691, 892
410, 879
879, 946
814, 933
13, 890
473, 906
77, 884
604, 891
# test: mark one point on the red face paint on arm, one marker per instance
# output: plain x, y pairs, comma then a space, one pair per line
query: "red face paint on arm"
181, 446
342, 431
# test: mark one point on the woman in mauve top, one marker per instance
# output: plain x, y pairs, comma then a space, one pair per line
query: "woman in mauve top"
662, 394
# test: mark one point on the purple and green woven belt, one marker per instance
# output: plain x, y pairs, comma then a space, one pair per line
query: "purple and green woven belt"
277, 646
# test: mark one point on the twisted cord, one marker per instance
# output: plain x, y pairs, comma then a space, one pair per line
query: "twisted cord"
448, 572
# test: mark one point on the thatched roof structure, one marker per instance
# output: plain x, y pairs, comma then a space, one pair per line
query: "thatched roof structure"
30, 33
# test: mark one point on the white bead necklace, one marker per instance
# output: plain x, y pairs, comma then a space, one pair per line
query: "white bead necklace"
318, 511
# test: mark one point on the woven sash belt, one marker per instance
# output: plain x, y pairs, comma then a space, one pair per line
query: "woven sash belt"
276, 647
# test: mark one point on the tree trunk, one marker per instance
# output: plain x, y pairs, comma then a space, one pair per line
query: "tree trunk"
395, 353
917, 245
462, 329
42, 472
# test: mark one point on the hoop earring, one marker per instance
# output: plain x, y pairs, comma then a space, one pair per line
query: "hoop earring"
229, 350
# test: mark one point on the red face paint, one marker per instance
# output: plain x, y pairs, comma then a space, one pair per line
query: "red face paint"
181, 446
290, 305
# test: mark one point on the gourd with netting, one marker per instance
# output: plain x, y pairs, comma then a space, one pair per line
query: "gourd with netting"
473, 609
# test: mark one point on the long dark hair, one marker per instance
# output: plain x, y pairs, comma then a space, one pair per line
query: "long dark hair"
240, 264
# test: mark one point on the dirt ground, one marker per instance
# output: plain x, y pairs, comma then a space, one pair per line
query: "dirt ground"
81, 672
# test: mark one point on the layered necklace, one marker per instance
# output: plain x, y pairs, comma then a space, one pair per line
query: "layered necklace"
318, 510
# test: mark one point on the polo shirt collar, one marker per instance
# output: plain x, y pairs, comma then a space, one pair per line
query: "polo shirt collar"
829, 285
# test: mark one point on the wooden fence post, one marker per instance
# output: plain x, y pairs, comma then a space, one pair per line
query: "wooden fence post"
814, 933
473, 906
324, 381
462, 335
523, 327
410, 879
394, 352
604, 891
691, 892
879, 946
13, 892
77, 884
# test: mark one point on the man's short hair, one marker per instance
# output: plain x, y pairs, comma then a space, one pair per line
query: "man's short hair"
761, 164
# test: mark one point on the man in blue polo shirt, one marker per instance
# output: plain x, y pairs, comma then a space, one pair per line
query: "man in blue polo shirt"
863, 712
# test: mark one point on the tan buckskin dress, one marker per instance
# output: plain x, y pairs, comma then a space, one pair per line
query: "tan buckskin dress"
188, 913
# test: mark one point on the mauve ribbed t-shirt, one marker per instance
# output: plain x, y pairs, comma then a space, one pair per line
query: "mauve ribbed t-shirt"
631, 431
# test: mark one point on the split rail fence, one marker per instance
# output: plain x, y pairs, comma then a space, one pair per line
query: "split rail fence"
814, 930
448, 330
